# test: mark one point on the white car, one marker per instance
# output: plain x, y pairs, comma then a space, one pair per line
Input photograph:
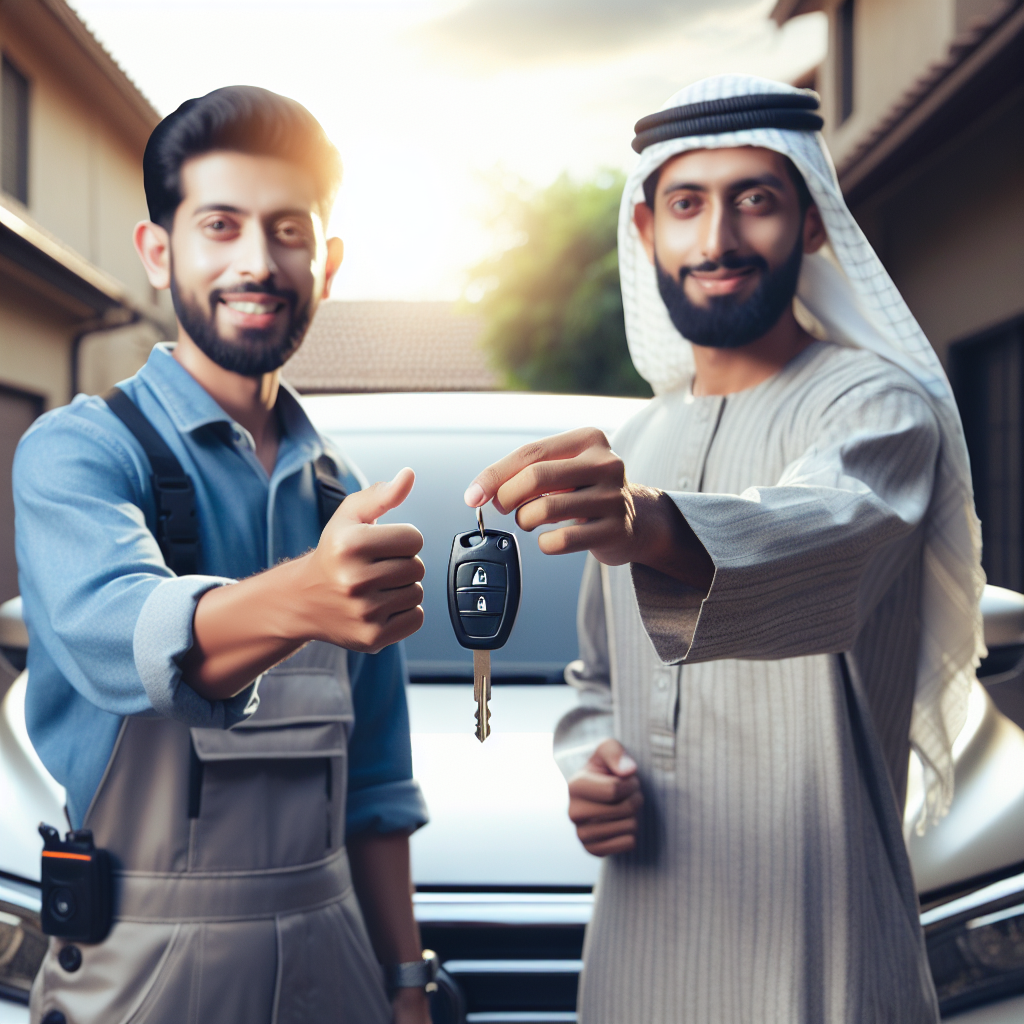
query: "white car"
504, 889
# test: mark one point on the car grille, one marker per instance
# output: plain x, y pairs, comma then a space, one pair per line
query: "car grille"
509, 957
515, 957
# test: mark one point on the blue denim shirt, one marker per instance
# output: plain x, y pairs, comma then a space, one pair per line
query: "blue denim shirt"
108, 622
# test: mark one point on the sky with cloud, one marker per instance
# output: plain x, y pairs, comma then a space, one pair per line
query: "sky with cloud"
433, 101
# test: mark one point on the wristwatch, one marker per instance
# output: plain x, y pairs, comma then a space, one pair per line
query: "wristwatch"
415, 974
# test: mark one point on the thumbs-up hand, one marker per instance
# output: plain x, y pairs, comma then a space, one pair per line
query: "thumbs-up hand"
360, 589
364, 587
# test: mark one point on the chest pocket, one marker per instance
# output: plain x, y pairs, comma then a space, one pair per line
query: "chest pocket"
270, 792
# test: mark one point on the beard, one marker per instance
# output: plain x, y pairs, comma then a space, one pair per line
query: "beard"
255, 351
725, 322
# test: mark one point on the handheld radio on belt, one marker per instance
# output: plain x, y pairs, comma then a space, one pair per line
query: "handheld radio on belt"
77, 878
77, 883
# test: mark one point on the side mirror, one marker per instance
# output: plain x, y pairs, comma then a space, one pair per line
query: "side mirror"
1003, 612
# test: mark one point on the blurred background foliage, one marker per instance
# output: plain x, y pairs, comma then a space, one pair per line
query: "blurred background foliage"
550, 300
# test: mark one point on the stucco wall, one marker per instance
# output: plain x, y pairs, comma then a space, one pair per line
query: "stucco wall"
107, 357
895, 41
893, 44
85, 179
950, 231
35, 336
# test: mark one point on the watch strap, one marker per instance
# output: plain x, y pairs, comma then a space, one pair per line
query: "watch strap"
414, 973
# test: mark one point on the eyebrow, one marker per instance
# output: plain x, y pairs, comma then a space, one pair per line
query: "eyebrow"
220, 208
228, 208
737, 186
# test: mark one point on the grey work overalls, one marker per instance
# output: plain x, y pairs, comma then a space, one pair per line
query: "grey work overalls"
234, 903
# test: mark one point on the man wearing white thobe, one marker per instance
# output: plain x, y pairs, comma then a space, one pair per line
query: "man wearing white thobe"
778, 609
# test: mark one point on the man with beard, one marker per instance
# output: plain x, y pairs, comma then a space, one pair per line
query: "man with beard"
782, 596
214, 680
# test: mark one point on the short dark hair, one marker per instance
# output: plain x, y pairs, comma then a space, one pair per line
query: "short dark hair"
803, 193
241, 119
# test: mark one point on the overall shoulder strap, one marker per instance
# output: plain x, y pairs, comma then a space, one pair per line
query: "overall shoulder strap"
329, 492
177, 526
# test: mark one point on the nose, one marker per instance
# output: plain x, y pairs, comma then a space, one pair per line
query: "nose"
719, 235
253, 258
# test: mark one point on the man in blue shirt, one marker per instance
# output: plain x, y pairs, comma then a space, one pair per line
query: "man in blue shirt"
226, 734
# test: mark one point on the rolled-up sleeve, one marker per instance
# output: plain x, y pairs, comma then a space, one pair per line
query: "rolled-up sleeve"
382, 794
163, 636
98, 595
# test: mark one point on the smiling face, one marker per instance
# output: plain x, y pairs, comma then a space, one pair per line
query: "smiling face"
727, 234
248, 261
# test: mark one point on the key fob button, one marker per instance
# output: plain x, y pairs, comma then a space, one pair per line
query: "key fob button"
480, 625
485, 602
480, 574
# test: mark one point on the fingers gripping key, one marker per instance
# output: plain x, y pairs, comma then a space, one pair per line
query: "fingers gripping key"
484, 588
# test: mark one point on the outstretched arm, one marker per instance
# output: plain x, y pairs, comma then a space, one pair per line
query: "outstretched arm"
360, 589
775, 572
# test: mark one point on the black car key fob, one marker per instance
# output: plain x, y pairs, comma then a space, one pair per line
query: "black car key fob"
484, 589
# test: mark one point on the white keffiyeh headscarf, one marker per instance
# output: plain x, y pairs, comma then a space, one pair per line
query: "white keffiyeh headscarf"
850, 294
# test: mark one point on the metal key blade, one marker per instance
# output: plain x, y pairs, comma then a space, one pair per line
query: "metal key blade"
482, 693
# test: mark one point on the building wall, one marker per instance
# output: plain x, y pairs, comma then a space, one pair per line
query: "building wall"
34, 376
35, 342
950, 230
107, 357
85, 181
86, 135
894, 45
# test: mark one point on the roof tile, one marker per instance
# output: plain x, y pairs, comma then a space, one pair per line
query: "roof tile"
391, 346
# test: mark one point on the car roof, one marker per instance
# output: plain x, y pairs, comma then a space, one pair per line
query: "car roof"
468, 411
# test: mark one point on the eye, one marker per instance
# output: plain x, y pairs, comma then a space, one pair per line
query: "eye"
292, 233
757, 202
682, 204
219, 226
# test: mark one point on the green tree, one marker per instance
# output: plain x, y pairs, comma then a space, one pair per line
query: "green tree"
552, 307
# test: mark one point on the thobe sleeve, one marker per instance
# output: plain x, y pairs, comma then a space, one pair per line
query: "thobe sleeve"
581, 730
799, 566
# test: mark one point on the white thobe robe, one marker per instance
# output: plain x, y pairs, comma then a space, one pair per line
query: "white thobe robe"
770, 719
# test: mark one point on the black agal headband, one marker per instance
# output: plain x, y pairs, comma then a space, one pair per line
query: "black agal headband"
789, 110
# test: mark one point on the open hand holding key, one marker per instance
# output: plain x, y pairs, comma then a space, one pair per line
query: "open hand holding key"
577, 477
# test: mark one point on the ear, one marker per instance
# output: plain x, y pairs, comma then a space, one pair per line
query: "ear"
643, 218
335, 254
815, 235
153, 245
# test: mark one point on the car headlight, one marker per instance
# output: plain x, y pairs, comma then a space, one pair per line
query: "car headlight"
976, 945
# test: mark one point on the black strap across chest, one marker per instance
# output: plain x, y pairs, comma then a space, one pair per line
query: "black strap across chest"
177, 524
